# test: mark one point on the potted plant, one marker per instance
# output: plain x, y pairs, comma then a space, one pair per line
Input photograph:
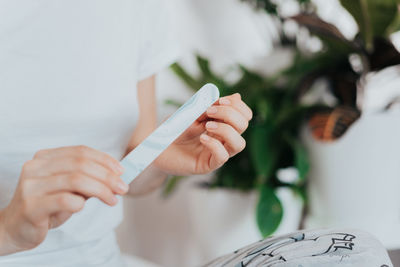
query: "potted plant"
281, 106
354, 171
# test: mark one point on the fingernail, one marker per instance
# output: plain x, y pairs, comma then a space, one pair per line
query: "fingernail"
212, 110
123, 187
211, 125
118, 167
205, 137
114, 200
224, 101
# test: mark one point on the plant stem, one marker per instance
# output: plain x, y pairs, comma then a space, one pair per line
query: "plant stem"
367, 25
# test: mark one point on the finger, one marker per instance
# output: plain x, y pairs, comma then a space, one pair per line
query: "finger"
219, 154
232, 140
82, 152
80, 165
81, 184
195, 129
236, 102
203, 117
42, 207
230, 116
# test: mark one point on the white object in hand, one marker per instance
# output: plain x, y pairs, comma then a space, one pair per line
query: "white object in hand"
145, 153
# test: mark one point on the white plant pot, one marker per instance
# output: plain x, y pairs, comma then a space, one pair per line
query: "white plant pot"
355, 181
222, 221
196, 225
225, 220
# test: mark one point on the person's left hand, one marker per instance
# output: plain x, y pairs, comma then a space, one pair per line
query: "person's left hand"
210, 141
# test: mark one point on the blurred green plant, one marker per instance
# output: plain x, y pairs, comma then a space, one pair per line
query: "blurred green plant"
276, 100
272, 138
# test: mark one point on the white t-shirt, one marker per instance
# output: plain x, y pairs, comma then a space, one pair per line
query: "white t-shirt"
68, 75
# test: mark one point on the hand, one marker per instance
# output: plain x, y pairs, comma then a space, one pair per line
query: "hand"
210, 141
52, 186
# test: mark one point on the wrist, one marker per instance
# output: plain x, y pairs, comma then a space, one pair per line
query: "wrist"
149, 180
156, 169
6, 245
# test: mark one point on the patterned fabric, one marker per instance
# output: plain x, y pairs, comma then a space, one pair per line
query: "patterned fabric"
318, 248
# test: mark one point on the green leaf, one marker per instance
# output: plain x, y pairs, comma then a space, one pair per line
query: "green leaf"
262, 151
301, 191
171, 185
263, 108
269, 211
372, 16
359, 11
301, 159
172, 102
204, 66
395, 26
208, 76
185, 76
382, 13
267, 5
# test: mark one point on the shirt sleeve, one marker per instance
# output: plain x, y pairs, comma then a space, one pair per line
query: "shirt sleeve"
158, 43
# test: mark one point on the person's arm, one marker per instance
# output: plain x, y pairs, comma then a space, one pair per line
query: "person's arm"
147, 122
152, 177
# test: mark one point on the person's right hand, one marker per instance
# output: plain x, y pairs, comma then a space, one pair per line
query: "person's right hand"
52, 186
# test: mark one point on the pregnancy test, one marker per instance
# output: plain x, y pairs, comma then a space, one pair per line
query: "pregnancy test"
147, 151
